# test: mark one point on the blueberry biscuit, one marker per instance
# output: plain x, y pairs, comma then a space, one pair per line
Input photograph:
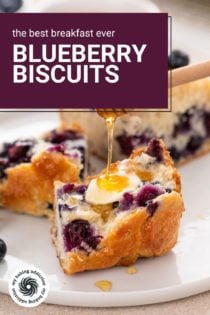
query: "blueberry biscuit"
135, 213
28, 168
185, 130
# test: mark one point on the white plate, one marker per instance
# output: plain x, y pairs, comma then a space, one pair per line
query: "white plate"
182, 272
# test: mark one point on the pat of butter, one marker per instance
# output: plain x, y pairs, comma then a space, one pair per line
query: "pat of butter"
98, 196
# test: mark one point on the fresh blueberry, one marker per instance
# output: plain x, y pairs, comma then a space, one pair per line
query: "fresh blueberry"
3, 249
155, 150
177, 59
9, 6
78, 233
148, 192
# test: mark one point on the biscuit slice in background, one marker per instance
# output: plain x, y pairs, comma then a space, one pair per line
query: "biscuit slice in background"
137, 214
185, 130
29, 167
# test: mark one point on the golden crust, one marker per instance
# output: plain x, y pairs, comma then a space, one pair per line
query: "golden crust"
167, 161
29, 186
135, 235
138, 235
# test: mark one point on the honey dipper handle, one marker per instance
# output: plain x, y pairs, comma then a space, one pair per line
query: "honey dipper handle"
189, 73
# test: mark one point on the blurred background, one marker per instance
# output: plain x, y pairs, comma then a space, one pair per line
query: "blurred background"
190, 18
190, 26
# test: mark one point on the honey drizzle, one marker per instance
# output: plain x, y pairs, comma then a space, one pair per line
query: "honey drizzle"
110, 121
131, 270
110, 116
104, 285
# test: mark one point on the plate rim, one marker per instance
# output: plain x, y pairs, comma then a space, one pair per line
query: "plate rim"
116, 299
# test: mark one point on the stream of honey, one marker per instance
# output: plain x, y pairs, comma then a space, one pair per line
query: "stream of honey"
111, 181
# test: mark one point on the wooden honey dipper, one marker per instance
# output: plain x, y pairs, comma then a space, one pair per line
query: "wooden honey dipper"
189, 73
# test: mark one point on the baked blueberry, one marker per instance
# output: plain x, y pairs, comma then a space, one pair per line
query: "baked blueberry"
58, 137
184, 124
194, 143
147, 193
175, 153
152, 207
81, 189
78, 233
19, 152
14, 153
126, 202
68, 188
128, 143
155, 150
